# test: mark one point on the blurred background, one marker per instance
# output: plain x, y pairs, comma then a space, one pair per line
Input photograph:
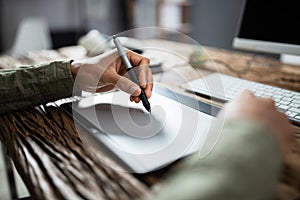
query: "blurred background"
210, 22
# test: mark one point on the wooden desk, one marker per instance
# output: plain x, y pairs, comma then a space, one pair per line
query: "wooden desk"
54, 164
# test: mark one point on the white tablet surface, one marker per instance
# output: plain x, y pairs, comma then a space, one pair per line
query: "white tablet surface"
145, 141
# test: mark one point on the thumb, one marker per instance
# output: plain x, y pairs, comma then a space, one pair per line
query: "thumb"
127, 85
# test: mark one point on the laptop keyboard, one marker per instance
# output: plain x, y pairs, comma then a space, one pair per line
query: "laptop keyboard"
226, 88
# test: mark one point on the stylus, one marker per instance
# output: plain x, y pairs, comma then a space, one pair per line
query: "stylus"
131, 72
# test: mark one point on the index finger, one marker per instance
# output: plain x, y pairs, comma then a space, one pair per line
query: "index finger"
141, 63
136, 59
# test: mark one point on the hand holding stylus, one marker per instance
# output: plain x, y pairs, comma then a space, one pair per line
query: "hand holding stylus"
107, 71
131, 72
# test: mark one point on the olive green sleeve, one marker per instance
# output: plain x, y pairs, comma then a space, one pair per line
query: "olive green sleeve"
244, 164
26, 87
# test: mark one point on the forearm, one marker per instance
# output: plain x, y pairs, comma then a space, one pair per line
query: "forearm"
27, 87
244, 164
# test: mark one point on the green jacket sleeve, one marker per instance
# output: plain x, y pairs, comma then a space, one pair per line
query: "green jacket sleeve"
244, 164
26, 87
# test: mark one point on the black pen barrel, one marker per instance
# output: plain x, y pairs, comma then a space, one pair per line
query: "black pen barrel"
145, 101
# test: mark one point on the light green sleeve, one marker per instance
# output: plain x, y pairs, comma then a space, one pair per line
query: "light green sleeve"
244, 164
26, 87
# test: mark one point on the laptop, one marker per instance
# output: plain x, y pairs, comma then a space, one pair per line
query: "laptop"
139, 141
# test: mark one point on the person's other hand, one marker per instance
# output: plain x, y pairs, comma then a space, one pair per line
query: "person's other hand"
104, 72
262, 110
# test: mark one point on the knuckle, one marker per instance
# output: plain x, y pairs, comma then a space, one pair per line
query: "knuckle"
146, 60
